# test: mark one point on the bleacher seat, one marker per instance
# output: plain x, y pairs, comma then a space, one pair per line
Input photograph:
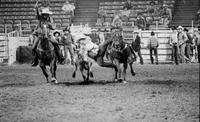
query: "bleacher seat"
12, 10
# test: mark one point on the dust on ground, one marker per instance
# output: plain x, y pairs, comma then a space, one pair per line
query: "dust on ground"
158, 93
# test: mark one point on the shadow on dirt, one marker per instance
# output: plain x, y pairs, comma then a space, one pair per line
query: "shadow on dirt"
91, 82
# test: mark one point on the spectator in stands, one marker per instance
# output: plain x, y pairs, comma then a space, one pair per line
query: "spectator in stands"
197, 43
117, 22
141, 22
43, 29
68, 42
188, 44
152, 46
68, 8
166, 14
128, 5
182, 38
102, 14
126, 11
173, 42
136, 44
151, 8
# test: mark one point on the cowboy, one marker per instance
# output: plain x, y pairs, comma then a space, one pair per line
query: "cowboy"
68, 42
43, 29
153, 47
182, 38
97, 52
136, 45
173, 42
197, 43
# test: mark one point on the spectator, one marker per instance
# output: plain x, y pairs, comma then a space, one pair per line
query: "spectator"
117, 22
188, 44
140, 22
68, 8
151, 8
197, 43
137, 47
166, 14
152, 46
182, 38
128, 5
102, 15
68, 42
173, 42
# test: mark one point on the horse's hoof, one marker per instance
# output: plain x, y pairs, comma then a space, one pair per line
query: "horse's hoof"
54, 81
120, 80
133, 73
91, 74
115, 80
74, 75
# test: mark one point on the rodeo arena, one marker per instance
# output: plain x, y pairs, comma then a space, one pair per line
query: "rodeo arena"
99, 60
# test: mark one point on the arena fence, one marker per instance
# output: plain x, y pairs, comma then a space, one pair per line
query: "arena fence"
9, 43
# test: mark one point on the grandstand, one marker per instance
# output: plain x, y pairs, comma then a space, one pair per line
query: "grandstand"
19, 15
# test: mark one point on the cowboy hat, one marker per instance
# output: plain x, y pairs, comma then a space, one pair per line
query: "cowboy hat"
94, 29
46, 11
180, 27
54, 33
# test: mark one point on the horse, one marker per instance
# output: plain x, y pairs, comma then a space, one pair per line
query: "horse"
46, 55
122, 53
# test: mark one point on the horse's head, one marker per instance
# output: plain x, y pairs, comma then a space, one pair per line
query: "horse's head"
118, 43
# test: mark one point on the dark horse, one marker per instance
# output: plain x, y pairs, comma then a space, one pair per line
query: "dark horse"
47, 57
122, 53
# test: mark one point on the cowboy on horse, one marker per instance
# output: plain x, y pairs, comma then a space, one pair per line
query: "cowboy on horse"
43, 30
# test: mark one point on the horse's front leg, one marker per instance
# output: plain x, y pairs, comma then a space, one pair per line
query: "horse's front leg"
132, 71
125, 65
53, 68
82, 72
118, 72
44, 70
90, 70
75, 69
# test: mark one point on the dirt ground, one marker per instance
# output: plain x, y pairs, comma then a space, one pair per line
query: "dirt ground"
158, 93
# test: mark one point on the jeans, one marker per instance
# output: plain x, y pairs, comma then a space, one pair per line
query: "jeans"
153, 50
175, 54
70, 49
182, 53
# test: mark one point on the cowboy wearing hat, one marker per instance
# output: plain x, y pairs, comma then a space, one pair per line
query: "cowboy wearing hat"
182, 38
44, 27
